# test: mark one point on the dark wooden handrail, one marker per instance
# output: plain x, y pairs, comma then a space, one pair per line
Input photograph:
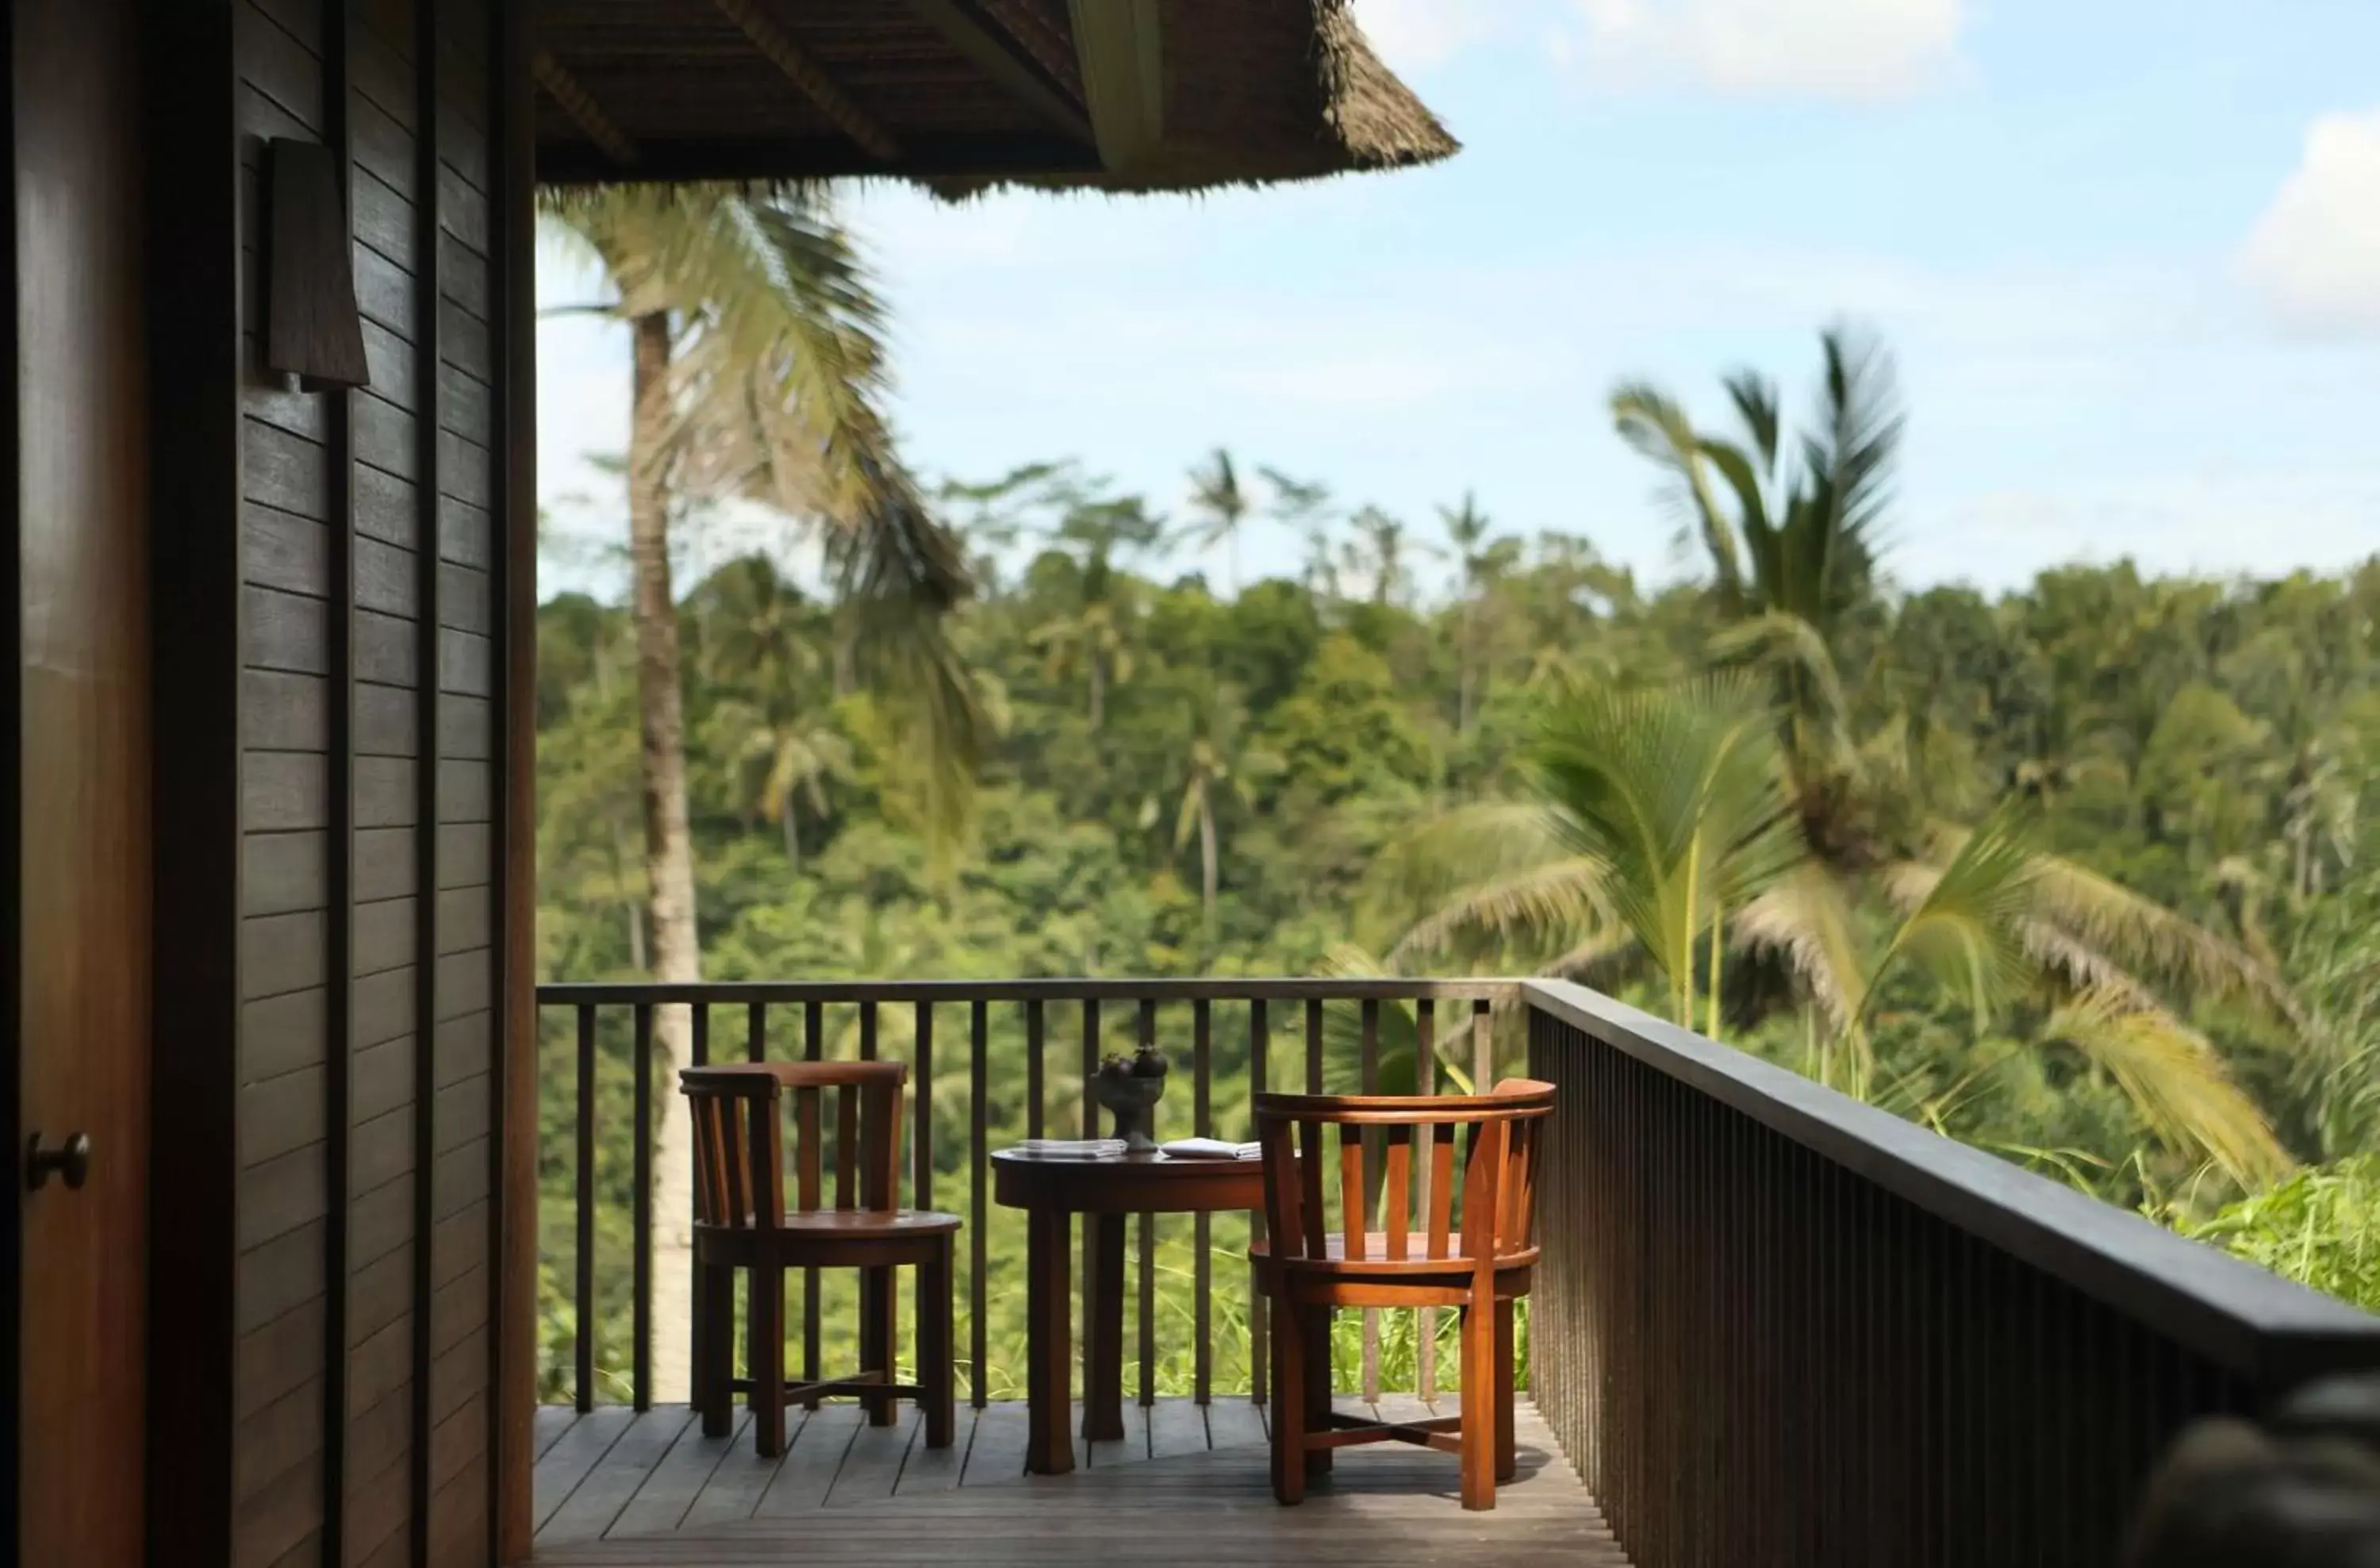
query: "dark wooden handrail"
572, 993
2247, 1319
1777, 1325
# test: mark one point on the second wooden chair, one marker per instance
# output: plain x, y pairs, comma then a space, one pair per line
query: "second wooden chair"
1480, 1263
742, 1221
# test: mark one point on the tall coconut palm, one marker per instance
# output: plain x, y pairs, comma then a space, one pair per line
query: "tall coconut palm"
1659, 833
1379, 551
1790, 527
1092, 638
1216, 765
1221, 505
757, 369
1466, 531
1305, 506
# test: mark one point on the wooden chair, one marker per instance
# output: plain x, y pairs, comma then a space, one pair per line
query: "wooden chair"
741, 1222
1480, 1264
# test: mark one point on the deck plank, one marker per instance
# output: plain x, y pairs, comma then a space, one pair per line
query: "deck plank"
871, 1466
1175, 1426
580, 1448
671, 1487
598, 1500
936, 1469
741, 1479
1134, 1445
1385, 1506
997, 1454
802, 1482
1233, 1421
552, 1420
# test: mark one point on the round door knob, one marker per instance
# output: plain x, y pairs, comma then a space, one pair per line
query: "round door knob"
70, 1160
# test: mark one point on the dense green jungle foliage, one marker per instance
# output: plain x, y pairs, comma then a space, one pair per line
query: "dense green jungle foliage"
2156, 795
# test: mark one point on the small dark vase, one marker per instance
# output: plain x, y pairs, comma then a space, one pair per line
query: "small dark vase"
1131, 1100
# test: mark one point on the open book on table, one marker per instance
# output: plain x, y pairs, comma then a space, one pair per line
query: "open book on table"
1210, 1148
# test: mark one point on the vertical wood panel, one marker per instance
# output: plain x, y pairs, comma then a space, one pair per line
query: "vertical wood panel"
195, 394
424, 677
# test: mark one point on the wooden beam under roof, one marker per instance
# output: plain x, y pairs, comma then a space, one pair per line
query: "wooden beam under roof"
1122, 47
584, 111
814, 82
1017, 58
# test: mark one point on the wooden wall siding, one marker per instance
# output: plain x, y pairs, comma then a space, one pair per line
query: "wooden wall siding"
457, 797
367, 903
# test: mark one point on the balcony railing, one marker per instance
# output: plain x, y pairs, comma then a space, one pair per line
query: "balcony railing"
1772, 1325
1228, 1037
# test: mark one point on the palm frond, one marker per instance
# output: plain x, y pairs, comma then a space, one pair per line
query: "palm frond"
1806, 920
1552, 901
2175, 1080
1656, 425
780, 374
2100, 914
1966, 929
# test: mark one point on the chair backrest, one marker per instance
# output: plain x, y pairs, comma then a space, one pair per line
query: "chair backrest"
739, 1153
1416, 1219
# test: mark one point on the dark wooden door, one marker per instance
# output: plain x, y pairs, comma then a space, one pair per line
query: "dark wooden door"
80, 766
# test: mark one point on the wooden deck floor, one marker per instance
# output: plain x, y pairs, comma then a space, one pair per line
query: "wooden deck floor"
623, 1490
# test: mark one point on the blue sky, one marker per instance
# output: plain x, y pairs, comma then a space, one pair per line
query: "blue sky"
2127, 256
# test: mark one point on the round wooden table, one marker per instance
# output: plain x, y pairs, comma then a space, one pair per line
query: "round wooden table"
1051, 1190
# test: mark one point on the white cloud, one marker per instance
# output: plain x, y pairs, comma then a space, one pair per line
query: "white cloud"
2314, 255
1842, 49
1414, 35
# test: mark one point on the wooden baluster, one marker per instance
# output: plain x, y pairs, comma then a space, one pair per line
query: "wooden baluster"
813, 1050
761, 1164
1313, 1045
699, 1335
1425, 1084
1147, 1240
755, 1032
868, 1029
1259, 1343
1369, 1069
921, 1167
1202, 1125
978, 1164
584, 1344
1034, 1039
1482, 1045
640, 1307
921, 1182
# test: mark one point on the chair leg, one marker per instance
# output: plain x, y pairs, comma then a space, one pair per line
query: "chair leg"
934, 1354
876, 1353
1508, 1458
1479, 1405
767, 1327
1317, 1325
716, 1368
1288, 1404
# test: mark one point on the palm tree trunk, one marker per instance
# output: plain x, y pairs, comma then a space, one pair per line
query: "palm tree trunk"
1209, 860
669, 852
1462, 701
793, 838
